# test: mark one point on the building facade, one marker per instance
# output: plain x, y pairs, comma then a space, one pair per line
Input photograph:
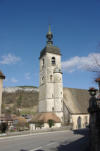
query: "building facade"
51, 85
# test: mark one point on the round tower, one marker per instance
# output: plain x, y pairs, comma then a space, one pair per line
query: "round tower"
58, 92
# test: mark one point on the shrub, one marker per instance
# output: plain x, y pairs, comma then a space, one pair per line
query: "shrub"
51, 123
3, 127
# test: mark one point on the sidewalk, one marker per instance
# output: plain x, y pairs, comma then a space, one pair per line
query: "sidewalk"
33, 132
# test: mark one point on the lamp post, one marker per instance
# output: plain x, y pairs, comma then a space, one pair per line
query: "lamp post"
94, 111
92, 91
92, 101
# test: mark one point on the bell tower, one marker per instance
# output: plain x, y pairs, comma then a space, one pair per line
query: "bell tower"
51, 85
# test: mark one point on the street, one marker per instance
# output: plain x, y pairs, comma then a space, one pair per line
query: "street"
49, 141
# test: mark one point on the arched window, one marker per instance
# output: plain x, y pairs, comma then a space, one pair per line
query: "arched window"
86, 120
52, 108
53, 61
43, 62
79, 122
50, 77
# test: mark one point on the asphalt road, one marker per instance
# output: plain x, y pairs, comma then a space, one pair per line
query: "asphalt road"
52, 141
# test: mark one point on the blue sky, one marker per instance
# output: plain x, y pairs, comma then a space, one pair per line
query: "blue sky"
23, 26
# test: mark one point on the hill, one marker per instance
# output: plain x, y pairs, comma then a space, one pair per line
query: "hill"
20, 100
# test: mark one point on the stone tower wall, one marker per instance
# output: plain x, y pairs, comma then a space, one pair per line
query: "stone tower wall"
58, 95
51, 89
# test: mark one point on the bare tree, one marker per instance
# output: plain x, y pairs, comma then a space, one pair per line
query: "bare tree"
95, 64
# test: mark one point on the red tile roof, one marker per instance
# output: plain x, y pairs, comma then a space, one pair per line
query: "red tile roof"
45, 117
97, 80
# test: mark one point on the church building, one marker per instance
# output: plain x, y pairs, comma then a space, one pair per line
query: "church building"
67, 105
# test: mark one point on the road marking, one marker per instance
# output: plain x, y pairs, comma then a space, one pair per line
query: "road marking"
50, 144
36, 148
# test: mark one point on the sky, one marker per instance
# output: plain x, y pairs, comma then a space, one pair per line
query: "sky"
75, 25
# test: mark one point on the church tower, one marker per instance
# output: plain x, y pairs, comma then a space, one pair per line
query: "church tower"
51, 86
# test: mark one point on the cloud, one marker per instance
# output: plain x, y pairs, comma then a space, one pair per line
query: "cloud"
9, 59
27, 76
89, 63
13, 80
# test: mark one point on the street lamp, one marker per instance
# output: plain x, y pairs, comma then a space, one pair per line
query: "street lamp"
92, 91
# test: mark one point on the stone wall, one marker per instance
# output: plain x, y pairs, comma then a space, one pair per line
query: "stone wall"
80, 121
51, 87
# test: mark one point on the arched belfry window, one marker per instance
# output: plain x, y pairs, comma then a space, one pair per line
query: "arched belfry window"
53, 61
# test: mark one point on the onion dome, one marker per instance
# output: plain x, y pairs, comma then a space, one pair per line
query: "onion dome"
49, 36
49, 48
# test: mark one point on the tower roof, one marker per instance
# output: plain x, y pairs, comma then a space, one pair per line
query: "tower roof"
2, 76
49, 47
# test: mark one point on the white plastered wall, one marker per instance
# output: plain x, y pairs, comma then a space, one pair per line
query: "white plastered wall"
56, 125
84, 120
